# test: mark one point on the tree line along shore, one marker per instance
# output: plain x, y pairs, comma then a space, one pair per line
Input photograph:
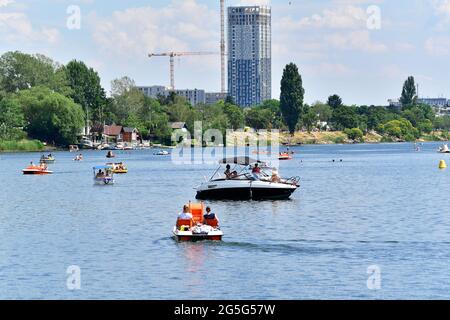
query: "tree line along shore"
43, 102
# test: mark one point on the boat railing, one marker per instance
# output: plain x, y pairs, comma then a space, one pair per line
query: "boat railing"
293, 181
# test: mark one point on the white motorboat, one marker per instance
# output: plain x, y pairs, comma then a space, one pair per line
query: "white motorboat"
162, 153
444, 149
243, 184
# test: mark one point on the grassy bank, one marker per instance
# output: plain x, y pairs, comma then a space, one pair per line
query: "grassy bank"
339, 137
21, 145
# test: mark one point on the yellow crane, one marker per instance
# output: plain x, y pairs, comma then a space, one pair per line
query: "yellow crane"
172, 56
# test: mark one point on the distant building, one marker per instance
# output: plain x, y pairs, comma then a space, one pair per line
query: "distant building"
178, 126
395, 103
249, 55
440, 105
130, 134
214, 97
193, 96
433, 102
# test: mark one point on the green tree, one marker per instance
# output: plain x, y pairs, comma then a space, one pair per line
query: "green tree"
310, 119
291, 98
258, 118
87, 90
323, 111
21, 71
11, 120
235, 114
122, 85
345, 117
354, 134
50, 116
409, 92
334, 101
401, 129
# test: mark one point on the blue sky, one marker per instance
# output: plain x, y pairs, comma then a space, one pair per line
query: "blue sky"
328, 39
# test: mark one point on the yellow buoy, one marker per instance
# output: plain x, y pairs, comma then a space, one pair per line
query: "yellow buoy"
442, 164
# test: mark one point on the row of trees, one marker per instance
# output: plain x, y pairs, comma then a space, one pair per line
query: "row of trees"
408, 122
44, 100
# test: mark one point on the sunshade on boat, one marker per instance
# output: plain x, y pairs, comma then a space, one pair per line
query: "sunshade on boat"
242, 161
103, 167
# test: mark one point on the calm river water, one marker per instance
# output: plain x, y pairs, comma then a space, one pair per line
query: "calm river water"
384, 205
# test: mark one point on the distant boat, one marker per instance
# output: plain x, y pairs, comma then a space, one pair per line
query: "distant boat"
162, 153
47, 159
86, 144
37, 170
444, 149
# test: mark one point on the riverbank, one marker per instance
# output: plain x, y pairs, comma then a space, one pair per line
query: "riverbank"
339, 137
22, 146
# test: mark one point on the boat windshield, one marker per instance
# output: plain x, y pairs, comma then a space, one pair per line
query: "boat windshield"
240, 172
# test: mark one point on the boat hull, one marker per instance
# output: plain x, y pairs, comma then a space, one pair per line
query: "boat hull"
188, 236
37, 172
104, 182
244, 190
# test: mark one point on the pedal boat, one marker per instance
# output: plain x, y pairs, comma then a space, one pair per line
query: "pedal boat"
118, 168
194, 230
36, 170
47, 159
107, 178
285, 156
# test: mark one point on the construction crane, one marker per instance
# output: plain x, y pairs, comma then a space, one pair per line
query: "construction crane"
172, 56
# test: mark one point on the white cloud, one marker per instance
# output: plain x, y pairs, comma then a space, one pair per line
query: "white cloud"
344, 17
184, 25
5, 3
357, 40
15, 26
438, 46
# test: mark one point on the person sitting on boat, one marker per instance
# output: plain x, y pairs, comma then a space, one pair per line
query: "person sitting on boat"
275, 177
185, 215
100, 174
227, 172
210, 218
185, 218
256, 169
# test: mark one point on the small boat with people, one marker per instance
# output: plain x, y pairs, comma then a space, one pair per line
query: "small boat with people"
118, 168
41, 169
444, 149
103, 175
78, 158
195, 223
285, 156
248, 180
110, 155
47, 159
